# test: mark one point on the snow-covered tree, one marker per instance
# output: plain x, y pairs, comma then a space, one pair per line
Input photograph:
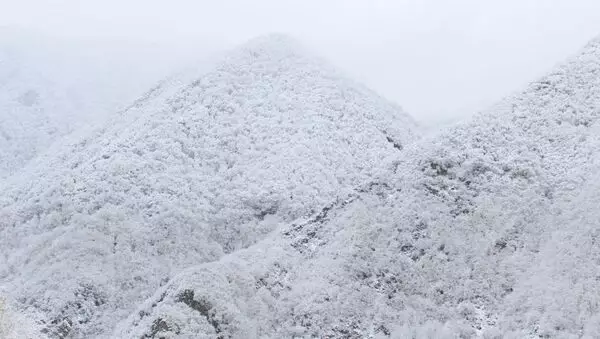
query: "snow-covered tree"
486, 229
18, 324
186, 175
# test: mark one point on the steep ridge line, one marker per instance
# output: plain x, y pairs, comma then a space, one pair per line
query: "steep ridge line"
51, 87
265, 137
448, 245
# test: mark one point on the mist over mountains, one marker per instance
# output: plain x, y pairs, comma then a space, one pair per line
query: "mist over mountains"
50, 87
265, 195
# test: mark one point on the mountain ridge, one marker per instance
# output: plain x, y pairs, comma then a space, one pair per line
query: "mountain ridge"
51, 87
183, 178
448, 244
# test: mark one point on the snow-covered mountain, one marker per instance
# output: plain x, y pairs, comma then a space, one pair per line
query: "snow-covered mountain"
50, 87
488, 229
186, 175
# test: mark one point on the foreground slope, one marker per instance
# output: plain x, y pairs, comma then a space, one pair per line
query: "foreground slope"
488, 229
269, 135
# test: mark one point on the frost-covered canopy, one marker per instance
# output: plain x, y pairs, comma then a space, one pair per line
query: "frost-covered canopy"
186, 175
488, 229
50, 87
270, 197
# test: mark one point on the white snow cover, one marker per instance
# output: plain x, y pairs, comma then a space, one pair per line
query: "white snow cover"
185, 176
486, 230
51, 87
17, 324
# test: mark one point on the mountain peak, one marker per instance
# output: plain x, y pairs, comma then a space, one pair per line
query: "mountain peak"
272, 41
265, 137
474, 234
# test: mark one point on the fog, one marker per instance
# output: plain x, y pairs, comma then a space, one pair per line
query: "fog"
440, 60
152, 188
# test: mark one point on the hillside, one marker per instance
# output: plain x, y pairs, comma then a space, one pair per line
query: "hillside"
186, 175
488, 229
51, 87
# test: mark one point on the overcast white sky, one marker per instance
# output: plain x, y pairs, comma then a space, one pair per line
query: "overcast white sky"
439, 59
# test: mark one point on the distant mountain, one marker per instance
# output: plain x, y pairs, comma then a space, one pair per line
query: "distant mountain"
189, 173
50, 87
488, 229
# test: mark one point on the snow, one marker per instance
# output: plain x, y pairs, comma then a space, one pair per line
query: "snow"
487, 229
268, 196
186, 175
17, 324
51, 87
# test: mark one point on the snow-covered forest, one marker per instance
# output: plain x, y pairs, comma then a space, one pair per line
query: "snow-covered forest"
263, 193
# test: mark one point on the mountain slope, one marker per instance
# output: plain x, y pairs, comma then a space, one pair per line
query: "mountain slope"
51, 87
269, 135
485, 230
